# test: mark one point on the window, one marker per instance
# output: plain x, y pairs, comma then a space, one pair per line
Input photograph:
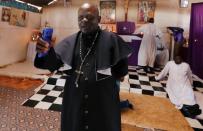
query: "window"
184, 3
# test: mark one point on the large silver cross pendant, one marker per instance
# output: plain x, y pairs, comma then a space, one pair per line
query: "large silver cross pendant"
79, 72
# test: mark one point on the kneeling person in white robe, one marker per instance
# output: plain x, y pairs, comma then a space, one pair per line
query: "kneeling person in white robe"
179, 84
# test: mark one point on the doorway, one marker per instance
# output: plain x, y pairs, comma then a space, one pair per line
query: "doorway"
196, 39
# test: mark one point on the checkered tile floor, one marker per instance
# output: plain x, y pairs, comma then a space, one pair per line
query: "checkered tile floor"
144, 83
50, 95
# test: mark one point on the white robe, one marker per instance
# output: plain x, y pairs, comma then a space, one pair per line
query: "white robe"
147, 51
179, 84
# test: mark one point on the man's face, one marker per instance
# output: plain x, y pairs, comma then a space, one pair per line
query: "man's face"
178, 60
88, 19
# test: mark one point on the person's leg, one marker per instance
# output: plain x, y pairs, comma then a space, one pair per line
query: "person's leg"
145, 68
151, 69
148, 69
123, 103
190, 110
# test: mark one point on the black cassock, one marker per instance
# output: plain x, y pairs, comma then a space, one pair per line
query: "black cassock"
94, 104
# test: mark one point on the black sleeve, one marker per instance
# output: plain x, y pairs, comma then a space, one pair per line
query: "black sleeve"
121, 68
50, 61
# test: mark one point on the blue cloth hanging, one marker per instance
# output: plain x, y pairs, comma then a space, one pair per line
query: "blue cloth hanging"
177, 34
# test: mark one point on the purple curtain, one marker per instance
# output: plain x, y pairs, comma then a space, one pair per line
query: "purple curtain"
196, 39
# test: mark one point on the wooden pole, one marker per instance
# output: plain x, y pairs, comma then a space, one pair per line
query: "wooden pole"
126, 4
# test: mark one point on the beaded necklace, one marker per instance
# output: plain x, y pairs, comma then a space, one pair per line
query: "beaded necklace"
79, 72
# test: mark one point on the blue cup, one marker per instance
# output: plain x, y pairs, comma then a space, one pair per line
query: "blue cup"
46, 36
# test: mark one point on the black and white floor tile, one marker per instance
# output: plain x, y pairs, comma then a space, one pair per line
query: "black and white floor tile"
144, 83
50, 95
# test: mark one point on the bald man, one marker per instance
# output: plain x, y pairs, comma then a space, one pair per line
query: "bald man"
97, 59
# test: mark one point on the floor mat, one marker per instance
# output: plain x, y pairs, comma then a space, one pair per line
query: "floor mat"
153, 112
19, 83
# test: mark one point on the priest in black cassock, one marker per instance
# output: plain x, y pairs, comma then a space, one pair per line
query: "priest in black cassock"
97, 59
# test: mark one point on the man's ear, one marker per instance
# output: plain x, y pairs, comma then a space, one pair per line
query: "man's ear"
99, 19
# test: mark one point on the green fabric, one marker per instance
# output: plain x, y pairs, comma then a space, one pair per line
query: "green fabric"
19, 5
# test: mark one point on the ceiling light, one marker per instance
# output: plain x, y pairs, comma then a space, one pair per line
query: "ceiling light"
38, 7
20, 1
52, 2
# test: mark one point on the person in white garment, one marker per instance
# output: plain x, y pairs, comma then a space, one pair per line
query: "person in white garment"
148, 48
179, 87
179, 83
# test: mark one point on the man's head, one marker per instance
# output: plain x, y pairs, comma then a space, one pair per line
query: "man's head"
151, 20
88, 18
178, 59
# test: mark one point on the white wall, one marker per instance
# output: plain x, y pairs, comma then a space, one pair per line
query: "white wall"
167, 13
63, 18
14, 39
